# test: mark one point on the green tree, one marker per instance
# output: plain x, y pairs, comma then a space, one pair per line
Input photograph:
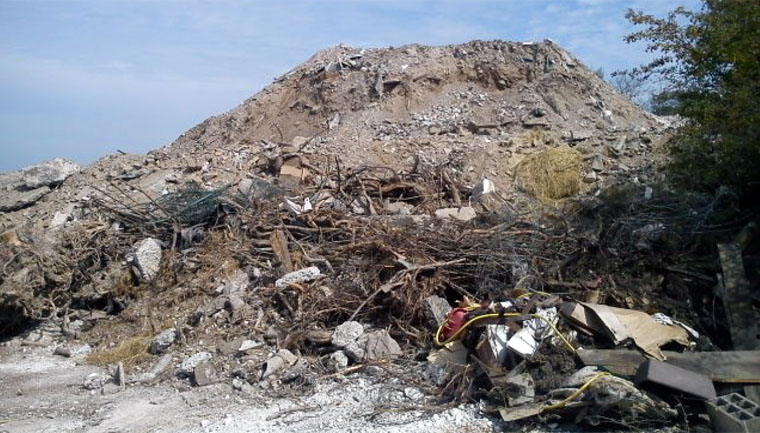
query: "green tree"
709, 62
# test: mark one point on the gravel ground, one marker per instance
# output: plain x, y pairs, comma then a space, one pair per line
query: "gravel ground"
42, 392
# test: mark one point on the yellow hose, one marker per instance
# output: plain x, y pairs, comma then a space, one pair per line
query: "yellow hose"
574, 395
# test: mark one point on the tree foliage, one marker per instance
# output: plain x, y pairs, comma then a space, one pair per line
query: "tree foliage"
709, 62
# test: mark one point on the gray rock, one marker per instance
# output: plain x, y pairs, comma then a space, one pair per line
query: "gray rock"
435, 309
204, 373
163, 341
156, 371
282, 359
189, 364
337, 361
590, 177
110, 388
465, 213
147, 257
354, 351
60, 218
379, 345
95, 381
346, 332
234, 304
597, 162
62, 351
48, 173
399, 208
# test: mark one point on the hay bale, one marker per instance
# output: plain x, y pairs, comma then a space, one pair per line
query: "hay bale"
552, 174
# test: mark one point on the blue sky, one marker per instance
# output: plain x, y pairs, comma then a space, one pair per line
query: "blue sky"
80, 79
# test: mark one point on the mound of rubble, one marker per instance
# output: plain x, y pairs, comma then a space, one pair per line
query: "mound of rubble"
485, 221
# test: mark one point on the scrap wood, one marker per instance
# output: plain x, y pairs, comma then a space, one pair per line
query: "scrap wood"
742, 366
280, 249
397, 280
621, 324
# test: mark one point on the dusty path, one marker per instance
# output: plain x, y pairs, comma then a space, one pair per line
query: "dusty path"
42, 392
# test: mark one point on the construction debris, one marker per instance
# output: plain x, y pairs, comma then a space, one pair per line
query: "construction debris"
458, 229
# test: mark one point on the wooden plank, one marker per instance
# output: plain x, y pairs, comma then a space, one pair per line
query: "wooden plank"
742, 319
741, 366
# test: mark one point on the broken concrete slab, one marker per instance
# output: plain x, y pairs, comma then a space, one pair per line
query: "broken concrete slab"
464, 214
15, 200
379, 345
446, 361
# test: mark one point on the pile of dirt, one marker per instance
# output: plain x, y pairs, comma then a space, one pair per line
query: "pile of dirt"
300, 235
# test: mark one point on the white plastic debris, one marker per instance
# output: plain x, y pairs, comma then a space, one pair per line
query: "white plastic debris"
299, 276
664, 319
306, 208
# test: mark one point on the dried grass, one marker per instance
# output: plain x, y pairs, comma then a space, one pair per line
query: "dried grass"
131, 352
551, 175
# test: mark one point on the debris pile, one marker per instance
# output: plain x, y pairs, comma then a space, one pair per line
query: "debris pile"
474, 223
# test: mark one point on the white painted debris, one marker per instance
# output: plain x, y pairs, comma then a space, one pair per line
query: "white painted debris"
299, 276
523, 343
